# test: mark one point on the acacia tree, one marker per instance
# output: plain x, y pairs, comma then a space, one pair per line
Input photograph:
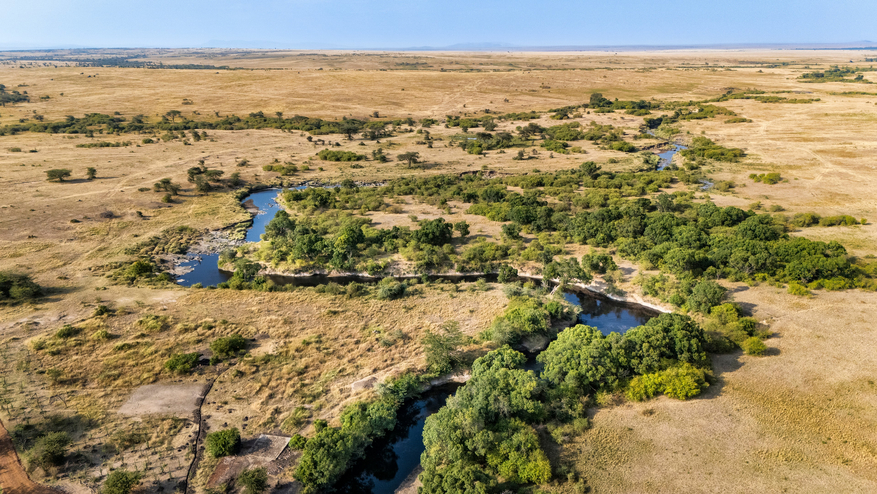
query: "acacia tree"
349, 129
58, 174
91, 173
173, 114
411, 157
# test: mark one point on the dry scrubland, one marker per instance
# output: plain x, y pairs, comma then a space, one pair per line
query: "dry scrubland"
799, 420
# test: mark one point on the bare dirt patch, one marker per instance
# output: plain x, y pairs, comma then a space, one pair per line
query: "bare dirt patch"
179, 400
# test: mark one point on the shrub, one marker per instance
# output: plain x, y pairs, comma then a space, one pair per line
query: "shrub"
798, 289
66, 331
228, 346
49, 450
18, 287
330, 155
181, 363
223, 443
683, 381
298, 442
702, 147
442, 347
555, 146
390, 289
754, 346
766, 178
642, 388
622, 146
255, 480
843, 220
153, 323
121, 482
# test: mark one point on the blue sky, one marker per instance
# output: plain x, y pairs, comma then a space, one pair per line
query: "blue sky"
411, 23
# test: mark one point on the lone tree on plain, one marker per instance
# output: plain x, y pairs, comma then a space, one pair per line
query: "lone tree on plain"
173, 114
91, 173
411, 157
58, 174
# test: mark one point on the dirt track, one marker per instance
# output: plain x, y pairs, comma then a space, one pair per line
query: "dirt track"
13, 478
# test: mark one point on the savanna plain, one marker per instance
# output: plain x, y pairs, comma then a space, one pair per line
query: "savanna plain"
529, 173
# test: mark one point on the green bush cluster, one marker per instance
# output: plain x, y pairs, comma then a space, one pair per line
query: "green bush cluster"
285, 169
104, 144
682, 381
332, 155
702, 147
228, 346
16, 288
766, 178
223, 443
121, 482
181, 363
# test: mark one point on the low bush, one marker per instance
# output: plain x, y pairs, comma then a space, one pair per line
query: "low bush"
683, 382
181, 363
255, 480
754, 346
228, 346
49, 450
331, 155
18, 288
224, 443
798, 289
766, 178
121, 482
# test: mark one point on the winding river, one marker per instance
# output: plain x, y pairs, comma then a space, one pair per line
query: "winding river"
389, 461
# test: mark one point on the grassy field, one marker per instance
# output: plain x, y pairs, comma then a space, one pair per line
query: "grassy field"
800, 420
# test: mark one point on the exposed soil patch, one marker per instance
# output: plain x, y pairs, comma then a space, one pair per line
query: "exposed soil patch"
179, 400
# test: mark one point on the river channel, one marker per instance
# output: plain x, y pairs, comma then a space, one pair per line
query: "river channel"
389, 461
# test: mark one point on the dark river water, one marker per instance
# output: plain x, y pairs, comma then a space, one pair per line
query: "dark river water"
390, 460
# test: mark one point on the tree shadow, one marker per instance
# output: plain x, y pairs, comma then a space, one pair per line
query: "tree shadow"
626, 271
723, 363
747, 308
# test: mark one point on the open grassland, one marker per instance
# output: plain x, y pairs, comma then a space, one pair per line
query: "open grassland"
799, 420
